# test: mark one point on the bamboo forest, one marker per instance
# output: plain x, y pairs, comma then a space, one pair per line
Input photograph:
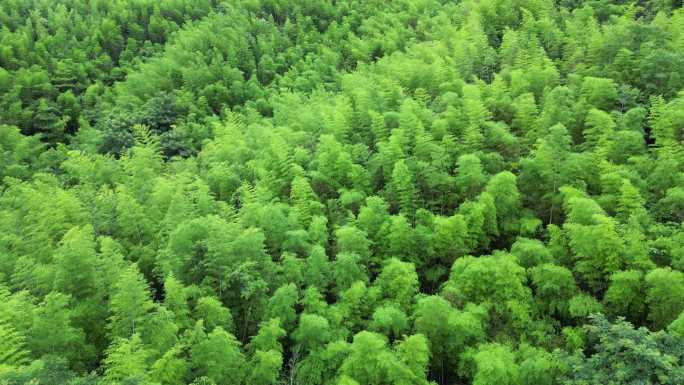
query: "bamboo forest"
341, 192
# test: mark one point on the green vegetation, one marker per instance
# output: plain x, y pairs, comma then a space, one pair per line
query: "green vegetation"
341, 192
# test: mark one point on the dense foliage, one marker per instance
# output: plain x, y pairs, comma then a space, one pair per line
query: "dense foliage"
341, 192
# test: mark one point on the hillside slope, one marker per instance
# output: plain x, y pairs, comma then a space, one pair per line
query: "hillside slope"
341, 192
